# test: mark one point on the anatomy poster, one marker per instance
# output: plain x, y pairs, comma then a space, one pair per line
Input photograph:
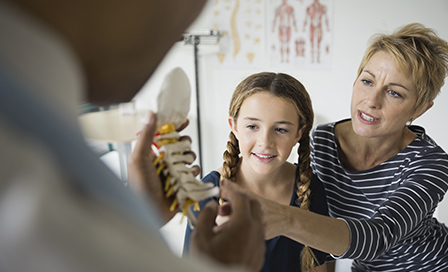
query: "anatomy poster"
275, 33
242, 23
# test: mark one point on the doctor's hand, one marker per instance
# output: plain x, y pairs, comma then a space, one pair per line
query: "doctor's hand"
142, 175
240, 241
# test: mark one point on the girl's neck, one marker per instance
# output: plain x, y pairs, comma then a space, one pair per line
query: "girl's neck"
276, 186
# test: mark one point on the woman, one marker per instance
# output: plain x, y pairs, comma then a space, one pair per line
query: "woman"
383, 177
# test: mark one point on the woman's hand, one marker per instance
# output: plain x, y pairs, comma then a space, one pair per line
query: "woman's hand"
317, 231
275, 215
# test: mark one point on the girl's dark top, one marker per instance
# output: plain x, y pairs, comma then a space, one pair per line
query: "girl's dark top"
282, 253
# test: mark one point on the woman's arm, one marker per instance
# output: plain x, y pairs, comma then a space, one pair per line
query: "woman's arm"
396, 218
317, 231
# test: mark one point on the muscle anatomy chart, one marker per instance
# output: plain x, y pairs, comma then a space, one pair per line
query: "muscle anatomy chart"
284, 16
291, 33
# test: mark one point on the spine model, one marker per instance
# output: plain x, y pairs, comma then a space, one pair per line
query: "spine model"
173, 106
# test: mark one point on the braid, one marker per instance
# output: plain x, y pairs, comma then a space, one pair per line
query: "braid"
231, 158
305, 171
308, 259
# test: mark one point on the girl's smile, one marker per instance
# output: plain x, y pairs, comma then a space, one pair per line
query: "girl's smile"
264, 158
267, 129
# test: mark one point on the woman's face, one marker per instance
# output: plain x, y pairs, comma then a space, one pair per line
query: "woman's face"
267, 129
383, 99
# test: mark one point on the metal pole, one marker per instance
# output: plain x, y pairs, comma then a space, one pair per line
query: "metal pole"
198, 113
195, 39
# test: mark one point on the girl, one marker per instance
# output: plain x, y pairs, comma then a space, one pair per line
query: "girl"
269, 113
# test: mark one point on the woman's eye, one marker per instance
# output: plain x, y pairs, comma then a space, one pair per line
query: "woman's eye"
394, 93
367, 82
251, 127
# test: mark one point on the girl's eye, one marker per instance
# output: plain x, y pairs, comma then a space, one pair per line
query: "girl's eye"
281, 130
367, 82
394, 94
251, 127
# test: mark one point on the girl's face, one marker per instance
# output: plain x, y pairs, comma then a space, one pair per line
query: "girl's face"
383, 99
267, 129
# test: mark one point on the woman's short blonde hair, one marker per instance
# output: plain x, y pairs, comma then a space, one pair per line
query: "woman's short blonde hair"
419, 54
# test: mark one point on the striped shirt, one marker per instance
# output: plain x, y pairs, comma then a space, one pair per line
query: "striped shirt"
388, 208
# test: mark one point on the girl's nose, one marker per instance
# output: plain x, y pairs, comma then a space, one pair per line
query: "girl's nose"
265, 139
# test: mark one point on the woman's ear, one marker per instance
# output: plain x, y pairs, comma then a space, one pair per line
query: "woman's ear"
232, 123
428, 106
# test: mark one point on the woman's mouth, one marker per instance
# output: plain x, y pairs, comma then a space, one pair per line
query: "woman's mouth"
365, 118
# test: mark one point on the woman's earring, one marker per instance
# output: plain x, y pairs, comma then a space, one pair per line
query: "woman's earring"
409, 123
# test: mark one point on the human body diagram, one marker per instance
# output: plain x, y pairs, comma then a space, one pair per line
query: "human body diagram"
309, 45
315, 13
293, 33
284, 14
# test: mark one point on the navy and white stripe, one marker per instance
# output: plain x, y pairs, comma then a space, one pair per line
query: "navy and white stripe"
388, 208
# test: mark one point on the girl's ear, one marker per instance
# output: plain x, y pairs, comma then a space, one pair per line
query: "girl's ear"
300, 133
233, 127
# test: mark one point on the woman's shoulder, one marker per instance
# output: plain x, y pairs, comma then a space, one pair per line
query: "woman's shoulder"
324, 135
328, 128
424, 144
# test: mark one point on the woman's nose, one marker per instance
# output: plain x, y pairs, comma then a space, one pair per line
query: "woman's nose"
373, 99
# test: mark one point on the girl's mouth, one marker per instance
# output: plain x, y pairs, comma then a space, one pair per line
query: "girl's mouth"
262, 156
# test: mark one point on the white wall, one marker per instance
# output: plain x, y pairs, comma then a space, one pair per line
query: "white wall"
354, 21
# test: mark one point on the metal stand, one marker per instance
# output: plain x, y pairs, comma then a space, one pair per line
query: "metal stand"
195, 38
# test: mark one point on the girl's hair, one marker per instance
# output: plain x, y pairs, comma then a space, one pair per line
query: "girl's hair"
285, 87
419, 54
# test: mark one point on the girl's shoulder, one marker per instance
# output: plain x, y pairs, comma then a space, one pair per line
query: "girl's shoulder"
219, 170
212, 177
